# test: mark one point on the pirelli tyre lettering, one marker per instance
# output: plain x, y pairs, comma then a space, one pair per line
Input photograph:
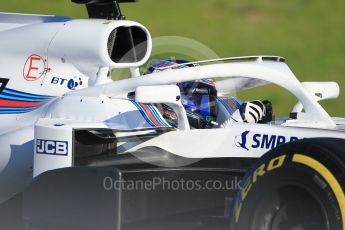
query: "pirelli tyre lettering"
299, 185
258, 172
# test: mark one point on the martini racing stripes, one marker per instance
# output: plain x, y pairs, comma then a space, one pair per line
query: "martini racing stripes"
14, 102
151, 114
14, 94
208, 82
231, 104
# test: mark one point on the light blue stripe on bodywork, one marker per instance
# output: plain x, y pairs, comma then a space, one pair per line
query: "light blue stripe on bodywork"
156, 115
13, 112
17, 108
2, 96
143, 113
234, 100
227, 107
22, 94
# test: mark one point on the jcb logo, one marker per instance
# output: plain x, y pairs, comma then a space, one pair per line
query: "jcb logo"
50, 147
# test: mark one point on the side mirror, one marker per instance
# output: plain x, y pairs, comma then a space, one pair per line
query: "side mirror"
321, 91
164, 94
157, 94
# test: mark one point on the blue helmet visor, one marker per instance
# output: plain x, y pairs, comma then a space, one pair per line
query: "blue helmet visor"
201, 100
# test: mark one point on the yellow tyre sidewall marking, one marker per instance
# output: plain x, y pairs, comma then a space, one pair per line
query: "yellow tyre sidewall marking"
328, 176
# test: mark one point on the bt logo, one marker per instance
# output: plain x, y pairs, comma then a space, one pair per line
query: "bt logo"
71, 84
51, 147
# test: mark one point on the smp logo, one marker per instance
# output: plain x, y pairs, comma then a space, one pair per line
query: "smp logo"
241, 141
50, 147
261, 141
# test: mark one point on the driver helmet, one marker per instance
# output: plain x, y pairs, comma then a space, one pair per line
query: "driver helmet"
198, 97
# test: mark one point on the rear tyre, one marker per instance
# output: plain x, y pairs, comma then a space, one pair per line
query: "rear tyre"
298, 186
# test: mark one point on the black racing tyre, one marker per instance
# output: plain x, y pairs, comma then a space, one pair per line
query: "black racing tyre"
297, 186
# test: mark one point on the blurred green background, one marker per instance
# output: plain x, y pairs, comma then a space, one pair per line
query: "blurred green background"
309, 33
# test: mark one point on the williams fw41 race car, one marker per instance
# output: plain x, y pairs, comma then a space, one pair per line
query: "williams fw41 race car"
81, 151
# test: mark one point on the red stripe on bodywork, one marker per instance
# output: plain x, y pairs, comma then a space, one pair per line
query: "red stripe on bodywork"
8, 103
149, 113
230, 103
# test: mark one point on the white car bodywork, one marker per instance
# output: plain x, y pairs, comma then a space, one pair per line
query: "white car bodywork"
70, 51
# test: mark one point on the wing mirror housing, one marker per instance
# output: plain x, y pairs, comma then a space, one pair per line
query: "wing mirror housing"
164, 94
320, 91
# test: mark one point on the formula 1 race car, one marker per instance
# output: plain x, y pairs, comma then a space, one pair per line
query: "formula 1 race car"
81, 151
